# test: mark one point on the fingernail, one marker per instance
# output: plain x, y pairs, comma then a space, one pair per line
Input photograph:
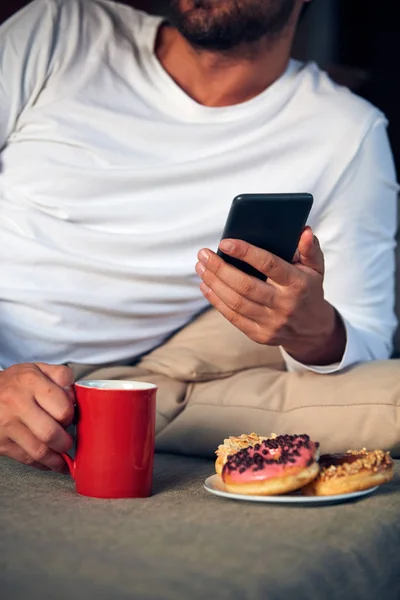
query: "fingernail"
200, 268
204, 256
69, 390
205, 289
227, 246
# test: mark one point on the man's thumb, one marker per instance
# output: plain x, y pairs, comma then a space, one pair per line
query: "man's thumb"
309, 251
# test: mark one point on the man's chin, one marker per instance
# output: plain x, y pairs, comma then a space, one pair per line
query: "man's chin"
206, 24
225, 25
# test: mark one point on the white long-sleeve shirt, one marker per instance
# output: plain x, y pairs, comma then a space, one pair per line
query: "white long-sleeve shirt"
112, 178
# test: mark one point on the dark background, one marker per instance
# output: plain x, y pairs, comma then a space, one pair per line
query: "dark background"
355, 40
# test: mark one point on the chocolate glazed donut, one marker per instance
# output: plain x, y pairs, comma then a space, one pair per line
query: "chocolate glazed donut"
354, 471
275, 466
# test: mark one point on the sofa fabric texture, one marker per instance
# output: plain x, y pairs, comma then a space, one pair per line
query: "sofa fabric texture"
184, 543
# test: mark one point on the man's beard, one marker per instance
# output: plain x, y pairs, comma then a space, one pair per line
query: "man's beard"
223, 25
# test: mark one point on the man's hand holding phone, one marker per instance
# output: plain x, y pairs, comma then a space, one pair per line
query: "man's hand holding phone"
288, 310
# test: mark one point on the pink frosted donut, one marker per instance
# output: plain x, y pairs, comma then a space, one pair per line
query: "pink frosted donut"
275, 466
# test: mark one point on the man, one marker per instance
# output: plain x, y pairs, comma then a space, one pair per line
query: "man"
124, 140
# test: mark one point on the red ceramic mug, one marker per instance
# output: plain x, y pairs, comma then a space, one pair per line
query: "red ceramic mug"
115, 439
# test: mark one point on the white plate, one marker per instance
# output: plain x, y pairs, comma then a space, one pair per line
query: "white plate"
215, 485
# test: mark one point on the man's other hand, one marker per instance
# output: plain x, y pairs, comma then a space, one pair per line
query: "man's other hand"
36, 404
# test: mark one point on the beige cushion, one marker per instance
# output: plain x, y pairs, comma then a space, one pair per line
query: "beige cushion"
214, 382
354, 409
237, 386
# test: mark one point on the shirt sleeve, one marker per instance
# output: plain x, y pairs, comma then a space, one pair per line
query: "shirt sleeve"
26, 43
357, 231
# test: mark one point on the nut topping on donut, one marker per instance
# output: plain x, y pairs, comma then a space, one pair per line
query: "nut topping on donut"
233, 444
354, 471
352, 462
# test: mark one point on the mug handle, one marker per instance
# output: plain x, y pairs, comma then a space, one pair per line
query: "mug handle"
71, 463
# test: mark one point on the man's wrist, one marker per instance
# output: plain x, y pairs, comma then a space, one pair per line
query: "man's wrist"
325, 348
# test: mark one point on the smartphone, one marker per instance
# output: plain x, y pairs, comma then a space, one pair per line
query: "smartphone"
273, 222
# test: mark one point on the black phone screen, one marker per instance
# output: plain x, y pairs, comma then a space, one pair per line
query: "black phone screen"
273, 222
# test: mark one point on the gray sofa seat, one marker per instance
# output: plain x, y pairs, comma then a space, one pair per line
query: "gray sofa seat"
184, 543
